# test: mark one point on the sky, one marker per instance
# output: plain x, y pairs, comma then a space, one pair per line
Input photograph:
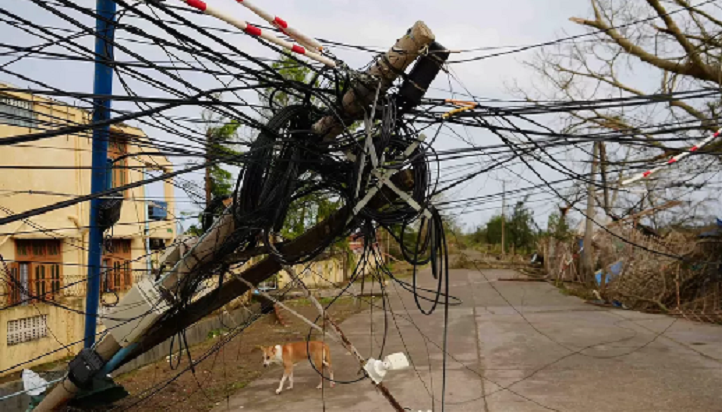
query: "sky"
456, 24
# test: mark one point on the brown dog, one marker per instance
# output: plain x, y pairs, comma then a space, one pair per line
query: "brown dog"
291, 353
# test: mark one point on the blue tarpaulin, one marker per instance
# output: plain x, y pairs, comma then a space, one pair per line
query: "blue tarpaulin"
614, 271
714, 233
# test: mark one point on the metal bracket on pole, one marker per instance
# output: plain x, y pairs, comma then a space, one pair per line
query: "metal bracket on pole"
384, 178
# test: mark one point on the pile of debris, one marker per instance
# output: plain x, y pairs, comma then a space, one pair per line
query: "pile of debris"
678, 273
641, 271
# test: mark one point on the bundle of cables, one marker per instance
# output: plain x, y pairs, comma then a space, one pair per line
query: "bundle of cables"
288, 164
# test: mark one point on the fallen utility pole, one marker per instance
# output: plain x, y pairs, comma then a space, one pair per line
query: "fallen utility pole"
66, 390
384, 71
354, 104
195, 311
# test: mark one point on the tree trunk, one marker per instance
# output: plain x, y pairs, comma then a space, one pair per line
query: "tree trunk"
603, 175
587, 267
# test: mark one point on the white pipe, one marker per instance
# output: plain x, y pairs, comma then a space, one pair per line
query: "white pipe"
674, 159
255, 31
282, 25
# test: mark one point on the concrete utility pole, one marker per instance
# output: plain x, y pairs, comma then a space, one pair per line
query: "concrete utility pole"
387, 69
588, 251
503, 217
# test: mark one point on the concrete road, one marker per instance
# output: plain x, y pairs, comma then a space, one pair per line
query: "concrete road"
512, 346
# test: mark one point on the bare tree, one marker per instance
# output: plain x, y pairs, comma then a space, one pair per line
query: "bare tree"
642, 48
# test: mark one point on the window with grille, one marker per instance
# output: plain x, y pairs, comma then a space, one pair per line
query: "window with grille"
17, 112
19, 285
38, 272
127, 274
40, 281
38, 250
117, 169
27, 329
116, 273
55, 279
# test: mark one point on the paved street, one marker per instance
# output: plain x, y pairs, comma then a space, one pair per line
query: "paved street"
514, 346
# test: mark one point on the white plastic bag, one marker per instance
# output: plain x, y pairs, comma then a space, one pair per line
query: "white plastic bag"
33, 383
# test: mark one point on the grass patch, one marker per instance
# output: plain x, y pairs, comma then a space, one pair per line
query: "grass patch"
217, 332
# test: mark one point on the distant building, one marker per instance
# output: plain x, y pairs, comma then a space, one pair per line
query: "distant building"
45, 256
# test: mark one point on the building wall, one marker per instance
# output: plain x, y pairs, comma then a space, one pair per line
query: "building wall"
326, 273
319, 274
23, 190
65, 329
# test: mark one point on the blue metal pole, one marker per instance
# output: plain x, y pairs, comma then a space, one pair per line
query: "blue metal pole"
113, 363
102, 86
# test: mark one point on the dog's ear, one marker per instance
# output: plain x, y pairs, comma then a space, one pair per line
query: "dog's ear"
258, 348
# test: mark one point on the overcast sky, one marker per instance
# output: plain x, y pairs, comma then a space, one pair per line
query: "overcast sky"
456, 24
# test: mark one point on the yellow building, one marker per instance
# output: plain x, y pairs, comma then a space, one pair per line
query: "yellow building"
46, 255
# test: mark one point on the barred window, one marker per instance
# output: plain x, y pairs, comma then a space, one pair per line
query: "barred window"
117, 169
39, 273
17, 112
27, 329
116, 274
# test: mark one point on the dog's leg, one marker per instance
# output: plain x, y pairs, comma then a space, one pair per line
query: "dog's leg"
290, 380
327, 364
319, 366
330, 373
283, 380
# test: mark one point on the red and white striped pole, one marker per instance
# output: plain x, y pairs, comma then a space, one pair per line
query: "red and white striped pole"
672, 160
255, 31
282, 25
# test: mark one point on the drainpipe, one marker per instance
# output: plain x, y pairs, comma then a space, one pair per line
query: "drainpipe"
148, 257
